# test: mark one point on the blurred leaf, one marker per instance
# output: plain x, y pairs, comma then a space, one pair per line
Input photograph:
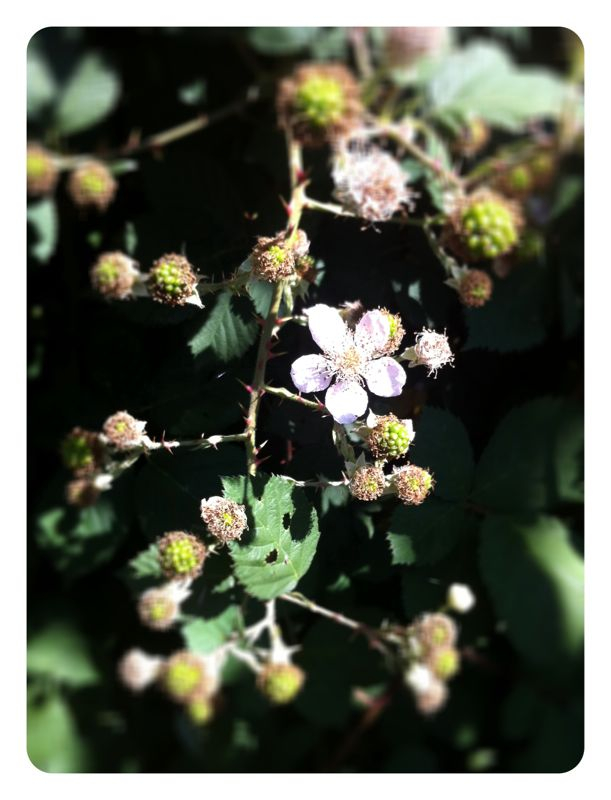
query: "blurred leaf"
515, 34
42, 87
42, 216
535, 578
568, 192
54, 742
480, 80
425, 534
91, 93
205, 635
79, 540
61, 652
330, 44
281, 41
146, 564
279, 546
534, 459
442, 446
131, 238
123, 166
557, 745
194, 93
229, 330
515, 318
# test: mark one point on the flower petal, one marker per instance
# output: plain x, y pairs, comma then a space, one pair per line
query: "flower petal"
311, 373
327, 327
385, 377
373, 331
346, 400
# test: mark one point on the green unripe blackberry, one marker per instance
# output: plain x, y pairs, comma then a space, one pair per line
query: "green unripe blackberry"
92, 184
82, 492
488, 229
113, 275
319, 103
184, 677
413, 484
200, 710
82, 451
390, 438
172, 280
181, 555
517, 182
42, 173
280, 683
444, 662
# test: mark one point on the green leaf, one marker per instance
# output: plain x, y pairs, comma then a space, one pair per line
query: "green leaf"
146, 564
535, 579
427, 533
281, 541
229, 330
80, 540
205, 635
42, 87
534, 458
516, 318
91, 93
42, 216
443, 447
481, 80
61, 652
281, 41
54, 742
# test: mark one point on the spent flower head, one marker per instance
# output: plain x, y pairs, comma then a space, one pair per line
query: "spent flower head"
124, 431
138, 669
352, 357
432, 350
158, 608
367, 483
413, 484
275, 257
185, 677
92, 185
42, 172
225, 519
113, 275
280, 683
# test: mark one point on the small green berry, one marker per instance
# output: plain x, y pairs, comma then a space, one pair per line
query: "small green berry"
280, 683
172, 280
184, 677
82, 451
390, 438
181, 555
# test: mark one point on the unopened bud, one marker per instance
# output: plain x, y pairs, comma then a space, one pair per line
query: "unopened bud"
460, 598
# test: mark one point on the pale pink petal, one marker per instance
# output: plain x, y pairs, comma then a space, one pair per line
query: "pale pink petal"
328, 329
310, 373
346, 400
385, 377
373, 331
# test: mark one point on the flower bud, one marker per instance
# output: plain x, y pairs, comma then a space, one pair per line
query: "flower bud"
432, 350
124, 431
404, 46
158, 607
224, 519
184, 677
181, 555
390, 437
42, 173
82, 452
172, 280
92, 184
137, 669
412, 484
280, 683
419, 678
82, 493
319, 103
370, 184
483, 225
443, 662
113, 275
367, 483
460, 598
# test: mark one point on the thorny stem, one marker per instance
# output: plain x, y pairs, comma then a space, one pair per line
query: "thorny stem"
295, 398
371, 633
163, 138
295, 209
202, 443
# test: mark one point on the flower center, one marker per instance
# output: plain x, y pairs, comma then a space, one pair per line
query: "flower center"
349, 363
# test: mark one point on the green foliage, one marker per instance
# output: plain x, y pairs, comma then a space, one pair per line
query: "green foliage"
229, 330
54, 742
146, 564
91, 93
59, 651
535, 578
205, 635
480, 80
42, 86
281, 542
281, 41
532, 461
426, 533
42, 216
